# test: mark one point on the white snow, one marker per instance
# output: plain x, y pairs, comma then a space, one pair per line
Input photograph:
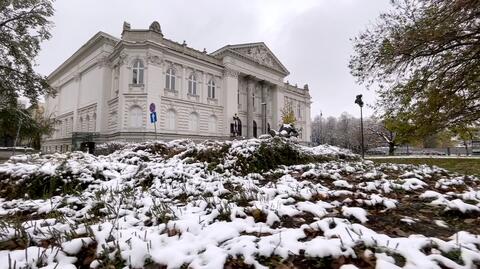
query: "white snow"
154, 202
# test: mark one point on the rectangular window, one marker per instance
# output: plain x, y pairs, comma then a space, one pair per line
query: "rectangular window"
192, 88
211, 92
140, 76
135, 76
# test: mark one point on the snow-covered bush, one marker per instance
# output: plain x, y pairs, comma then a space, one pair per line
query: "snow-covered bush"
252, 203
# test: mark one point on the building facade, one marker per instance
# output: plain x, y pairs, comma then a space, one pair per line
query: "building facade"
104, 91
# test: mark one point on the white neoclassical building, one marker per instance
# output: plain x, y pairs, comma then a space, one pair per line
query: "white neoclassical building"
104, 91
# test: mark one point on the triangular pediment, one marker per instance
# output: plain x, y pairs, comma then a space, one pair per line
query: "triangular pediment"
256, 52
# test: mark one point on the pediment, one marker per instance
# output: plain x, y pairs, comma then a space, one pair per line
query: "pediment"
256, 52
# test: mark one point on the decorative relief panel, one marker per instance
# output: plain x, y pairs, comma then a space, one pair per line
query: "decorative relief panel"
154, 59
261, 55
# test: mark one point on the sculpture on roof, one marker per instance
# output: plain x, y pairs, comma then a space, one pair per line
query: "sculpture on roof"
126, 26
155, 27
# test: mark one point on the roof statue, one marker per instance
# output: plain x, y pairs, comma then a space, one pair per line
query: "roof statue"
126, 26
155, 26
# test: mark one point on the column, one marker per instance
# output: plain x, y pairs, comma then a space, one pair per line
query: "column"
250, 89
277, 104
264, 106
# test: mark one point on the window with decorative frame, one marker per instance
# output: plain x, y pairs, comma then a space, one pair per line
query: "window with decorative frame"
170, 79
137, 72
192, 84
211, 89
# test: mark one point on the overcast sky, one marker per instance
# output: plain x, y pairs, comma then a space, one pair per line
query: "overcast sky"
310, 37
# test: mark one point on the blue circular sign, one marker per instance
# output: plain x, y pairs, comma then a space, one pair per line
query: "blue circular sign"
152, 107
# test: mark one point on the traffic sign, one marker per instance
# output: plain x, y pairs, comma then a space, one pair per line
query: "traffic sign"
152, 107
153, 117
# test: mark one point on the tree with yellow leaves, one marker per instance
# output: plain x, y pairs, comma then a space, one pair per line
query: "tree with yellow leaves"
288, 115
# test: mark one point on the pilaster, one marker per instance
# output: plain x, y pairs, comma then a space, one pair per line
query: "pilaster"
264, 106
78, 80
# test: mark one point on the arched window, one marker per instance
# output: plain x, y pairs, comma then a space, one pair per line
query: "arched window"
193, 122
299, 111
171, 119
212, 124
192, 84
254, 126
136, 117
211, 89
170, 79
137, 72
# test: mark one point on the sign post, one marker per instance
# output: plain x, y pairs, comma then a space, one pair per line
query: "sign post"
153, 118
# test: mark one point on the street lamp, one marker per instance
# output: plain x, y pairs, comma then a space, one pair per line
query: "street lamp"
359, 102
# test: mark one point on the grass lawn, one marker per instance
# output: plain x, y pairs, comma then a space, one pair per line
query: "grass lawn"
461, 165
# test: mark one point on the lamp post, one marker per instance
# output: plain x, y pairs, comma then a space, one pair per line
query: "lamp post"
359, 102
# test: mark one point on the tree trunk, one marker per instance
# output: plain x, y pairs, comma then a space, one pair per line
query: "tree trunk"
391, 148
466, 147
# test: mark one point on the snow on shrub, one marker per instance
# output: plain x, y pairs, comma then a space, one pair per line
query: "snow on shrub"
233, 204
